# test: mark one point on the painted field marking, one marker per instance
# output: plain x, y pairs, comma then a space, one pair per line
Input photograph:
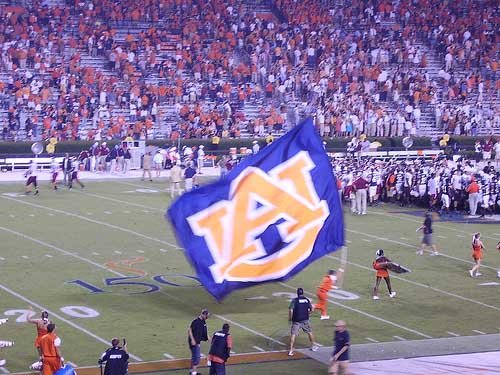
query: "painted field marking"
402, 217
118, 252
416, 283
258, 348
25, 257
140, 251
371, 340
61, 318
367, 240
108, 212
480, 332
399, 338
2, 258
409, 246
163, 250
403, 238
31, 215
364, 313
4, 370
95, 253
218, 316
168, 356
452, 334
102, 223
48, 256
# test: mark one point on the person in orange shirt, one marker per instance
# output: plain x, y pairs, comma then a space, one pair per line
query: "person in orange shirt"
474, 198
41, 329
380, 265
51, 353
322, 293
477, 254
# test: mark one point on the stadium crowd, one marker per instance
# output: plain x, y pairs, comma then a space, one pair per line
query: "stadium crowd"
357, 67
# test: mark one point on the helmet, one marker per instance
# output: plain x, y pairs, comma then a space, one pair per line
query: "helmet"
379, 252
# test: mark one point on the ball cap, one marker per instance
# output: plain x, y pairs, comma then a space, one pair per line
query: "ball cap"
205, 312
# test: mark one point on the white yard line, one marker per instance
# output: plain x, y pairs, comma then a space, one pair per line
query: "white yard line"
364, 313
416, 283
452, 334
410, 246
480, 332
399, 338
371, 340
48, 255
61, 318
25, 257
168, 356
258, 348
102, 223
220, 317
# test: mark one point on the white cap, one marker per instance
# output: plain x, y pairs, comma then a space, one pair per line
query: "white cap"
201, 146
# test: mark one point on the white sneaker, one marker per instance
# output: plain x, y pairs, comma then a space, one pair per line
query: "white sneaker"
470, 273
3, 321
2, 362
314, 348
325, 317
375, 298
420, 252
498, 274
291, 352
434, 253
478, 274
392, 295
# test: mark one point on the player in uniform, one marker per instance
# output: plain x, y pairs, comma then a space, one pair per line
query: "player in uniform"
477, 254
32, 174
380, 264
51, 352
41, 329
75, 165
445, 194
54, 170
322, 293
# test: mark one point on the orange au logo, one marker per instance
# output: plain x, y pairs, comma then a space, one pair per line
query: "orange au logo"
231, 228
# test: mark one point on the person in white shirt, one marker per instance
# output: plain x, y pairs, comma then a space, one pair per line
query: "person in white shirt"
158, 162
32, 174
54, 170
175, 179
255, 147
201, 158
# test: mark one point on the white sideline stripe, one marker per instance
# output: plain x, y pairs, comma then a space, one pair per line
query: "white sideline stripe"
48, 255
4, 370
406, 245
220, 317
480, 332
452, 334
399, 338
416, 283
94, 221
365, 314
371, 340
168, 356
69, 322
258, 348
402, 217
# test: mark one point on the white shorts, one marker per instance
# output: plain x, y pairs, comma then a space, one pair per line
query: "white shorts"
445, 199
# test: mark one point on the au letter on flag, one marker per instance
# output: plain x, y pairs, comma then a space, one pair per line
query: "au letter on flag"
271, 216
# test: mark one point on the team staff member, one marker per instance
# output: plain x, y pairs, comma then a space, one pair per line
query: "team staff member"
322, 293
379, 264
197, 333
298, 313
477, 254
51, 353
41, 329
116, 358
474, 198
427, 238
220, 350
340, 355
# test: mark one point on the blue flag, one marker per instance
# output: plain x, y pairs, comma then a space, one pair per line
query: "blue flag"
272, 215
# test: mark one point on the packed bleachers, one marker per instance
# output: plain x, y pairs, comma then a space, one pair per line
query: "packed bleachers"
167, 69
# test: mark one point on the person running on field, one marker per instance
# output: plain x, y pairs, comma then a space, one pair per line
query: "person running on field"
427, 238
380, 265
298, 314
477, 254
322, 293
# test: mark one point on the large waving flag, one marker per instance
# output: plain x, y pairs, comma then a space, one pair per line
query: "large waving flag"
271, 216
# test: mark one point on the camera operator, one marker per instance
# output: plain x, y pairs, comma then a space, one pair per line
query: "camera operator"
116, 358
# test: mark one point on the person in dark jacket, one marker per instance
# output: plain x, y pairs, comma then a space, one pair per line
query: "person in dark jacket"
197, 332
116, 358
298, 314
220, 350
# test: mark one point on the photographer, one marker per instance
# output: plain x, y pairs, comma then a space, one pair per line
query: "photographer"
116, 358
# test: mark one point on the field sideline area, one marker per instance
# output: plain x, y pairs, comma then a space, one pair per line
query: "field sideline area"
104, 262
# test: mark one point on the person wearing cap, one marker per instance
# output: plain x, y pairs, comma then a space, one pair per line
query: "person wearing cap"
220, 350
380, 265
201, 158
340, 355
255, 147
298, 314
175, 179
197, 332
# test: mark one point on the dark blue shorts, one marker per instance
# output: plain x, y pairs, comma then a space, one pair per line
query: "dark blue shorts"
195, 355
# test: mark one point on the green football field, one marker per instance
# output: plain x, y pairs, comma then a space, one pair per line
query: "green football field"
104, 262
